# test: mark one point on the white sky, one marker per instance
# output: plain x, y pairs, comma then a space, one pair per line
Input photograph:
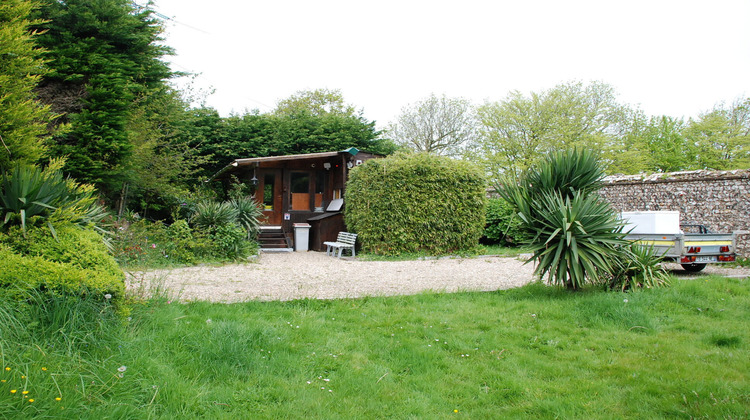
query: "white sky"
670, 57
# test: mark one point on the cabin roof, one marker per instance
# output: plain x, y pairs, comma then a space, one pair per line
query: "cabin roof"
237, 163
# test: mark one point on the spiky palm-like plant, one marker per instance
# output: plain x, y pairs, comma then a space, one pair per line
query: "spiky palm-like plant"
576, 234
28, 195
248, 213
209, 215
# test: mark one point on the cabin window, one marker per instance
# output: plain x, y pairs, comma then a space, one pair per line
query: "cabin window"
320, 187
268, 184
300, 189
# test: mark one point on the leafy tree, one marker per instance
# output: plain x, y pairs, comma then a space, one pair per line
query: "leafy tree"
221, 140
162, 167
316, 102
23, 120
667, 148
439, 125
104, 55
722, 136
517, 131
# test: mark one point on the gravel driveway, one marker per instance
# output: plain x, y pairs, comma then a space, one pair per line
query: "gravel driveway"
296, 275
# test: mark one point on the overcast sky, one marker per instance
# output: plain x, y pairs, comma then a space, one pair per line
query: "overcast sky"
676, 58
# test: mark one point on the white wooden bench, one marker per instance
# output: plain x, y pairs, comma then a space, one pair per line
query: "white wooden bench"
345, 240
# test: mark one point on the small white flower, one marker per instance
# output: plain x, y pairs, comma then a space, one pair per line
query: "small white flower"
208, 321
308, 382
327, 380
108, 296
122, 368
625, 300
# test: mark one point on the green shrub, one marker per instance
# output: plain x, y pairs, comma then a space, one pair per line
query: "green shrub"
416, 203
503, 224
80, 248
230, 242
22, 274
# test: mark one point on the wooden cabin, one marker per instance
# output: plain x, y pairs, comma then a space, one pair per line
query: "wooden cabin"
298, 189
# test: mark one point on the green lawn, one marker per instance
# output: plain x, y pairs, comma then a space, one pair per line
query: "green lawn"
533, 352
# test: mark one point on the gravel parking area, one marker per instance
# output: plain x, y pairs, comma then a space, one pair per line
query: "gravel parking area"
297, 275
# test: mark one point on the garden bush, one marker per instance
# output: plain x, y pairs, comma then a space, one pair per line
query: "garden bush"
409, 203
75, 265
503, 224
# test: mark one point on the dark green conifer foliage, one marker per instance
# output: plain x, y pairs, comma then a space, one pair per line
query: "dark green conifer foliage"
103, 55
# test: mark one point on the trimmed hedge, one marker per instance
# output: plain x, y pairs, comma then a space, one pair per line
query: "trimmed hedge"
77, 263
416, 203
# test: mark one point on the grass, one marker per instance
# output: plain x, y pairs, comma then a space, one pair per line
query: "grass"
532, 352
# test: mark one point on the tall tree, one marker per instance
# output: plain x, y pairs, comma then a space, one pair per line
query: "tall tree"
104, 55
515, 132
439, 125
316, 102
667, 148
23, 120
722, 136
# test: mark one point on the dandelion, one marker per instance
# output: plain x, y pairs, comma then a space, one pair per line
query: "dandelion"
23, 377
31, 400
44, 369
24, 392
2, 380
7, 369
13, 391
455, 411
58, 399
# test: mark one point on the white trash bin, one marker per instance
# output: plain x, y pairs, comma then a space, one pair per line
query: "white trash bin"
301, 237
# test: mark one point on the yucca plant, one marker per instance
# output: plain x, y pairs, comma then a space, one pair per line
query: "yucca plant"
248, 213
640, 268
575, 233
28, 195
209, 215
576, 238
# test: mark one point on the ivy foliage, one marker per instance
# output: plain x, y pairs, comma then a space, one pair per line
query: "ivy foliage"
416, 203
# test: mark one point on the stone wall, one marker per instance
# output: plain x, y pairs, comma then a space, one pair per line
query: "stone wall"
720, 200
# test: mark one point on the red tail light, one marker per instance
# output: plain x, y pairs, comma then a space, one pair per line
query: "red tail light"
724, 249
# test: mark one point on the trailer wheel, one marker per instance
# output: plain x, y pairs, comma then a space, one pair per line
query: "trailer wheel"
693, 268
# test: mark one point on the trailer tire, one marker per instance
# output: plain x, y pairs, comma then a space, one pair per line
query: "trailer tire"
693, 268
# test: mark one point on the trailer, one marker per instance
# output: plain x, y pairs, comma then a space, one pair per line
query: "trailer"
691, 245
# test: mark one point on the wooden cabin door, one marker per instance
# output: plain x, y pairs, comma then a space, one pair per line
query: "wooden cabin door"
269, 193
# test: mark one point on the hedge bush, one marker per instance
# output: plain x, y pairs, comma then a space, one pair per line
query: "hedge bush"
416, 203
503, 224
77, 263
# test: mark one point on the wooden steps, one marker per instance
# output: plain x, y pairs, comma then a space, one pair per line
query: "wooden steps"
273, 239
